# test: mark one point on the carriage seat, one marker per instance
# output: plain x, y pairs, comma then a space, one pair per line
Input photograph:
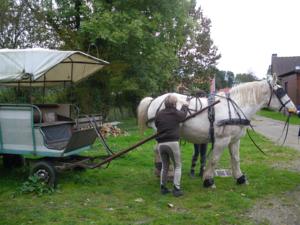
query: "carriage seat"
57, 134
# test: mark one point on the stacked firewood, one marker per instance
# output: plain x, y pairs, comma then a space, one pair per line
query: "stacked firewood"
108, 129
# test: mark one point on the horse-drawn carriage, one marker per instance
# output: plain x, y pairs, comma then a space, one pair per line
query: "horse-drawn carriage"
49, 133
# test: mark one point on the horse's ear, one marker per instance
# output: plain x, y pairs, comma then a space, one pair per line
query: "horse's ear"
274, 79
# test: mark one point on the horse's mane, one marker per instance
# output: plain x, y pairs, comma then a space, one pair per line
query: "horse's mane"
249, 93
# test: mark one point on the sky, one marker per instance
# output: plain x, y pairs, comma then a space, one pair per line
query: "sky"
248, 32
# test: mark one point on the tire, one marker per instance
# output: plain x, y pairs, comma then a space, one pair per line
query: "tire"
13, 161
46, 172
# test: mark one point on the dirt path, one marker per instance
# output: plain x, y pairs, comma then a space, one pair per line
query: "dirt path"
284, 209
272, 129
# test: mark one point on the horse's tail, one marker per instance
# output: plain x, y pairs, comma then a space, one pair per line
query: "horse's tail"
142, 112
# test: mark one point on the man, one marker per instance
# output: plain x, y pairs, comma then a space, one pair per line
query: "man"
167, 123
199, 148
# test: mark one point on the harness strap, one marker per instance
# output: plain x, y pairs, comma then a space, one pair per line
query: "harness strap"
271, 95
157, 110
283, 104
245, 121
237, 110
229, 110
299, 135
211, 118
200, 103
254, 141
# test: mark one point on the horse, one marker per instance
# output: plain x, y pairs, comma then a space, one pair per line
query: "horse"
239, 105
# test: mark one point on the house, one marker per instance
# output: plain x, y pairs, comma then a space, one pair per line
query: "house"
288, 71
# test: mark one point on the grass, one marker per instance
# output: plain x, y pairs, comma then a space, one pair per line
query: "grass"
109, 196
279, 116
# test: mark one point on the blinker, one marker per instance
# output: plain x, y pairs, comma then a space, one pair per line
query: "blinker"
280, 92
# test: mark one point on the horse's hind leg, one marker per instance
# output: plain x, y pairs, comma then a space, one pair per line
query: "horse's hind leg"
235, 162
213, 161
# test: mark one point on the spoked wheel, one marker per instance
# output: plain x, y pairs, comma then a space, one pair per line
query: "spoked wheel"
45, 171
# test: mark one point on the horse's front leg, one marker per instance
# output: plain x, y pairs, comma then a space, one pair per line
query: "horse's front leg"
208, 176
234, 149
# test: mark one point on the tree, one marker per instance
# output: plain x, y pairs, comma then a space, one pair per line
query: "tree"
224, 79
21, 28
245, 77
140, 38
199, 55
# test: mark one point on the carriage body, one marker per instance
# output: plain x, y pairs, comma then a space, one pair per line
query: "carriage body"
27, 130
50, 136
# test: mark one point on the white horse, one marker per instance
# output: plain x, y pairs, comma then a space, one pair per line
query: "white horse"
249, 97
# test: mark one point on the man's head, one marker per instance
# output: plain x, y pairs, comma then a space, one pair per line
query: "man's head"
170, 101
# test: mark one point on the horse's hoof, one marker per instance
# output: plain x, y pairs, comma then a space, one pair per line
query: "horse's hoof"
209, 183
242, 180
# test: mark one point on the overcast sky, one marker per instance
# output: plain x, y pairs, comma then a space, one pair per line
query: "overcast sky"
248, 32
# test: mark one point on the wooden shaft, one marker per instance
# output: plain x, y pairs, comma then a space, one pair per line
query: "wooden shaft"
117, 155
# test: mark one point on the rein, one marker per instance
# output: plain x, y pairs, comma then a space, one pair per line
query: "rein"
279, 93
286, 129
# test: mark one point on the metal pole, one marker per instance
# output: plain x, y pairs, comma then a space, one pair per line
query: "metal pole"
44, 89
30, 89
72, 84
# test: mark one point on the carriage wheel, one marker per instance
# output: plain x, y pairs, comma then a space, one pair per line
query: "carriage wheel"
45, 171
13, 161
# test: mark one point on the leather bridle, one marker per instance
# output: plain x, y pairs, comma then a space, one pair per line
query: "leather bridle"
279, 93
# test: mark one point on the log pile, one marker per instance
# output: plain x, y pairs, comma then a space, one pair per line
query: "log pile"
108, 129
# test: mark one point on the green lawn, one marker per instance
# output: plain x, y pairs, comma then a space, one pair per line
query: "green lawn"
107, 196
279, 116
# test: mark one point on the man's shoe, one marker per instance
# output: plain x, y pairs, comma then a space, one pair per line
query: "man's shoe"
177, 192
164, 190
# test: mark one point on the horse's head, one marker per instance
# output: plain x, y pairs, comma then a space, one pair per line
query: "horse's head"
279, 100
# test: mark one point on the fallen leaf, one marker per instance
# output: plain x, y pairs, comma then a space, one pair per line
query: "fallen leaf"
170, 205
139, 200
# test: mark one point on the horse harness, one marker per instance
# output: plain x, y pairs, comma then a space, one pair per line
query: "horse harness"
279, 93
241, 120
211, 113
188, 99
